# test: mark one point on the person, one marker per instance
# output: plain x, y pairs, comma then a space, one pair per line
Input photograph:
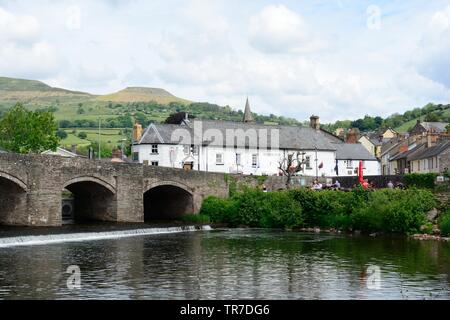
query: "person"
366, 184
337, 185
390, 185
317, 185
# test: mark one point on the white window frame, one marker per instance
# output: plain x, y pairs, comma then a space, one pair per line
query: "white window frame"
219, 159
255, 160
155, 147
155, 163
238, 159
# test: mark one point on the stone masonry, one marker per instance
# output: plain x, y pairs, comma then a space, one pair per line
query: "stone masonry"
31, 189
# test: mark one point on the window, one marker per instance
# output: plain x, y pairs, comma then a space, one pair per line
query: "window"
154, 149
187, 150
135, 156
254, 160
349, 164
238, 159
155, 163
219, 159
195, 150
308, 162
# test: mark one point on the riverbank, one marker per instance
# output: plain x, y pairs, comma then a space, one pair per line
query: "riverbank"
379, 211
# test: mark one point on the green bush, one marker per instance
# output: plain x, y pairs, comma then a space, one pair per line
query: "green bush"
254, 208
444, 225
393, 211
421, 180
196, 218
217, 209
396, 211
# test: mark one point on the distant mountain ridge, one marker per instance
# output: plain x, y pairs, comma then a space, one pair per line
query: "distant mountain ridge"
25, 91
142, 94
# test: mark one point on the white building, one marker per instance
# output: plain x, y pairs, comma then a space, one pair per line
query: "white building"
249, 148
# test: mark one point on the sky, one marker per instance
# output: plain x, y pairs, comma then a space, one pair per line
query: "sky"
339, 59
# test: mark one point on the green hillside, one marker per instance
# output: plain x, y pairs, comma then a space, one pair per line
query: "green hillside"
140, 94
116, 110
409, 124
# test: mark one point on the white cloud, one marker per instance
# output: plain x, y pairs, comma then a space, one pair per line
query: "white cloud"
277, 29
18, 27
215, 51
23, 52
73, 18
36, 61
433, 58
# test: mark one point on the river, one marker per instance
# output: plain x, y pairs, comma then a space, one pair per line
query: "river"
230, 264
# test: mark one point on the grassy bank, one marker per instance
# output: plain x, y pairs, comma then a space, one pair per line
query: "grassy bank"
390, 211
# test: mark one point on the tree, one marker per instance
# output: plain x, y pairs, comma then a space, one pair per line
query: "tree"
290, 165
25, 131
61, 134
82, 135
176, 118
448, 128
432, 117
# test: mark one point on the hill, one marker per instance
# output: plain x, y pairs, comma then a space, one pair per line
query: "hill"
399, 122
75, 109
35, 92
142, 94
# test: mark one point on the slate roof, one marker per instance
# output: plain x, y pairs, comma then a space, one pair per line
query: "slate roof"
408, 154
432, 151
290, 137
2, 151
352, 151
435, 126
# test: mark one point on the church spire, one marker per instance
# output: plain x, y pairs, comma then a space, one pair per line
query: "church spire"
248, 117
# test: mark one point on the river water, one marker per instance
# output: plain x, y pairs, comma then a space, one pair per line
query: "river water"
230, 264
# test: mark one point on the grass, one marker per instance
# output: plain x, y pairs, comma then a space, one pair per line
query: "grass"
110, 137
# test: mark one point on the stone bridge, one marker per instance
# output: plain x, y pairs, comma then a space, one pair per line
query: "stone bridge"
32, 188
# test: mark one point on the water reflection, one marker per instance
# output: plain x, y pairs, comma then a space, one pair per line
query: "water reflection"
237, 264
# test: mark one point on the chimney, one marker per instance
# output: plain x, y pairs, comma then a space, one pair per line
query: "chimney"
137, 132
73, 149
403, 148
315, 122
352, 136
431, 140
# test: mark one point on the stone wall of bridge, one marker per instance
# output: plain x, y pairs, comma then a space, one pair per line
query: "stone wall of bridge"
31, 189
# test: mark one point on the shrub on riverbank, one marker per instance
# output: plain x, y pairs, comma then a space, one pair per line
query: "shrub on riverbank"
444, 225
421, 180
254, 208
396, 211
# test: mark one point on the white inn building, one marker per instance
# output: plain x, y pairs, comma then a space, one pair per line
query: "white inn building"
249, 148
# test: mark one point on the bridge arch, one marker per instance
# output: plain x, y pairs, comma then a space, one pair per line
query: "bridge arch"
94, 199
13, 200
12, 178
167, 200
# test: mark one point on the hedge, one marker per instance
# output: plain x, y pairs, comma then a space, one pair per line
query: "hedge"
393, 211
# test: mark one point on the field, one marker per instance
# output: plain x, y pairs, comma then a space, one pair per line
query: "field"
111, 138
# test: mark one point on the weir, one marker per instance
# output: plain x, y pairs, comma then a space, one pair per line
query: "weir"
93, 236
